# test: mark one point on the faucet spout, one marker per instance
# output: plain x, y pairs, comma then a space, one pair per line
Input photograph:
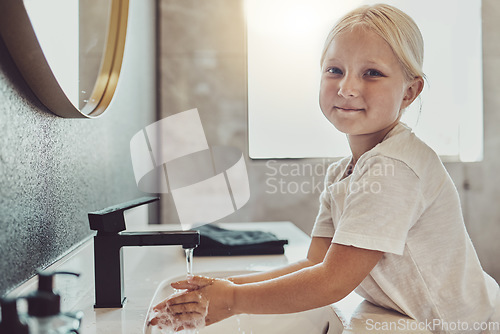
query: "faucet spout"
108, 244
186, 239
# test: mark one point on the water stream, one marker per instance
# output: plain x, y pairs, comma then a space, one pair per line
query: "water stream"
189, 270
189, 262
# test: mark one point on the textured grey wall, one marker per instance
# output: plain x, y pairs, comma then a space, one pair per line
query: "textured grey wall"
203, 65
54, 170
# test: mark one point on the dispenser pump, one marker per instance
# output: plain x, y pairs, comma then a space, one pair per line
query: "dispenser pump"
10, 318
45, 302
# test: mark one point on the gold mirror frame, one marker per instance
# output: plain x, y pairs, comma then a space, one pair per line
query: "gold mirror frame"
22, 43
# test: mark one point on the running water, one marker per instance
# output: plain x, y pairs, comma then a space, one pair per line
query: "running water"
189, 270
189, 261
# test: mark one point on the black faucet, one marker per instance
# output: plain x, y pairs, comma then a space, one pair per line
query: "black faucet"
110, 224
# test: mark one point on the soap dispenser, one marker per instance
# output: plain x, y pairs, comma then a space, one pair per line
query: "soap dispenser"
44, 309
10, 323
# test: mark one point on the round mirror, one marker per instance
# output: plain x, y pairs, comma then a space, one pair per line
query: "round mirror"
69, 51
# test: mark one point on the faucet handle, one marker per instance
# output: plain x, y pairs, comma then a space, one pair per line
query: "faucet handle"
111, 219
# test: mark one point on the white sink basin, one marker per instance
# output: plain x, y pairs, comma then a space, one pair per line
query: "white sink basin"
318, 321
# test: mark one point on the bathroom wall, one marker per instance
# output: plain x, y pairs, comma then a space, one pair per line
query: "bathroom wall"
53, 171
202, 65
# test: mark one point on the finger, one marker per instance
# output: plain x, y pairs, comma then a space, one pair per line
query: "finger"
176, 322
200, 280
193, 282
160, 306
188, 320
188, 308
190, 297
180, 321
159, 321
153, 321
184, 285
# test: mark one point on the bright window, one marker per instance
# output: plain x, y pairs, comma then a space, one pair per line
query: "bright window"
285, 39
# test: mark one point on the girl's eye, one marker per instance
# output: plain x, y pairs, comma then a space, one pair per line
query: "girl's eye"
334, 70
374, 73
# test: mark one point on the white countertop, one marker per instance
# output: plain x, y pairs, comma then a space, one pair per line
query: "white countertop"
146, 267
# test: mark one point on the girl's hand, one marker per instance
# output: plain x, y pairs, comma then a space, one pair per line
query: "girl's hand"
206, 299
164, 318
217, 294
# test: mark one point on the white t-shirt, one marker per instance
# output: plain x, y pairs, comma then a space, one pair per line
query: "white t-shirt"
400, 199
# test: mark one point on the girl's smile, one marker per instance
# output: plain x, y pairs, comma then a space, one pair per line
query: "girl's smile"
347, 109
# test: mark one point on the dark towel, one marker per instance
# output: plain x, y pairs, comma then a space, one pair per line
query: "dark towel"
216, 241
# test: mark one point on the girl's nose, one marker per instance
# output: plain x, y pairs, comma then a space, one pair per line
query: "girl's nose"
348, 87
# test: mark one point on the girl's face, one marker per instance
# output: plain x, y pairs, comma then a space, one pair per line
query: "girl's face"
363, 88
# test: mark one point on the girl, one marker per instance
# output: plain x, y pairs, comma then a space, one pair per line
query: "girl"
389, 224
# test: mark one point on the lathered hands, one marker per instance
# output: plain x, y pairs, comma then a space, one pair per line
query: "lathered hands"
191, 308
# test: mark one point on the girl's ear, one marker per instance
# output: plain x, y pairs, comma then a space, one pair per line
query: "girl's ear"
412, 91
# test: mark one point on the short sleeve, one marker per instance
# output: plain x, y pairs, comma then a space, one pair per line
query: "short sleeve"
381, 203
323, 225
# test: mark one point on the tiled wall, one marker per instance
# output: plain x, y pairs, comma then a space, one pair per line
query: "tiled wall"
53, 171
202, 53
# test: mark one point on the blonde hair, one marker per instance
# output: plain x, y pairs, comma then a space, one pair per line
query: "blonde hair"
394, 26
